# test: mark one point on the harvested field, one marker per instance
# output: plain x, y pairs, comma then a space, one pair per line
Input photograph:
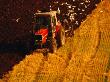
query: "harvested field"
84, 58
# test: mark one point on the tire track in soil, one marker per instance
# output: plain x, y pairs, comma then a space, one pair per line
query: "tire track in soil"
11, 76
53, 66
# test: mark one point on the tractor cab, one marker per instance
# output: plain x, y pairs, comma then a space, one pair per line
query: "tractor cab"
45, 23
45, 20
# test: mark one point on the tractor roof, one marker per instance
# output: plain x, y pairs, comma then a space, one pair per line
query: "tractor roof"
51, 13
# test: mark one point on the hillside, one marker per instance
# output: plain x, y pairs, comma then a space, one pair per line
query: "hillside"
84, 58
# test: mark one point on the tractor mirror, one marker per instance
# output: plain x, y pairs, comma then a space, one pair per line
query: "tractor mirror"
58, 11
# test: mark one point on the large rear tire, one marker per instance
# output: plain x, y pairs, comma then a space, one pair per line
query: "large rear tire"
61, 37
53, 46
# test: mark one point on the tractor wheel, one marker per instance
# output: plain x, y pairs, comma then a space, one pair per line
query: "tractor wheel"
53, 46
61, 37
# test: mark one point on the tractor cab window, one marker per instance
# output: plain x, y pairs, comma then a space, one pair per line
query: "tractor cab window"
42, 22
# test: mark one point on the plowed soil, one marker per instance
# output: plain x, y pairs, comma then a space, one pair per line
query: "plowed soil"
84, 58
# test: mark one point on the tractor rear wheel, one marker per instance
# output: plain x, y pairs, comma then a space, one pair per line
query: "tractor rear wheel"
61, 37
53, 46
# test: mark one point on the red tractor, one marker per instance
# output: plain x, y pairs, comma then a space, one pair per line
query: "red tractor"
48, 31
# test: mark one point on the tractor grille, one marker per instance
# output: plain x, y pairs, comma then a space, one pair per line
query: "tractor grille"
38, 41
38, 37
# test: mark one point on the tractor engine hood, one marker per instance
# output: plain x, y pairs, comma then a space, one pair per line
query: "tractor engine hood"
43, 32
